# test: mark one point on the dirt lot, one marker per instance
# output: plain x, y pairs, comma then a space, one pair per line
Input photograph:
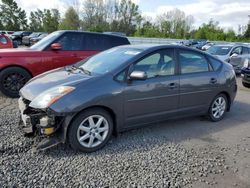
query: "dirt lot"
191, 152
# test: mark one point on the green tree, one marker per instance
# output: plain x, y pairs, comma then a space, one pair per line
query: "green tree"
148, 30
211, 31
11, 16
95, 15
36, 20
175, 24
127, 17
247, 33
71, 20
51, 20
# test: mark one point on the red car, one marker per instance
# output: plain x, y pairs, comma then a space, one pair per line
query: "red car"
5, 42
58, 49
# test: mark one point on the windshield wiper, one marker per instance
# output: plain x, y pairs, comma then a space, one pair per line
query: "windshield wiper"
82, 69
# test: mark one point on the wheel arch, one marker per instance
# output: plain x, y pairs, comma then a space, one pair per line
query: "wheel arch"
19, 66
228, 99
107, 109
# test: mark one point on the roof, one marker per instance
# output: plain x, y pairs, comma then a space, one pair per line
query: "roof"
78, 31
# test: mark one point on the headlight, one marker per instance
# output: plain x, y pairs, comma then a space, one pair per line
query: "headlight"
246, 63
50, 96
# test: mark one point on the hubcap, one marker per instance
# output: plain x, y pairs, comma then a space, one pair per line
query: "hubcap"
92, 131
219, 107
14, 82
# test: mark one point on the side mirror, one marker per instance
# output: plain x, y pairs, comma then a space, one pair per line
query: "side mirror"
56, 46
138, 75
234, 55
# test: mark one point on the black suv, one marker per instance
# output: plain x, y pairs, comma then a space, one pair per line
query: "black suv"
18, 36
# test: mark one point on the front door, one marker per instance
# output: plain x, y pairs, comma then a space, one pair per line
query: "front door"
73, 50
156, 97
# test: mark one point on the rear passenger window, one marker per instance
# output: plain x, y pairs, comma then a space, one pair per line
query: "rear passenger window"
246, 50
216, 64
97, 42
192, 62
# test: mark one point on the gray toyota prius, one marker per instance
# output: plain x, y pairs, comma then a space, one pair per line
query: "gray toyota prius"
123, 88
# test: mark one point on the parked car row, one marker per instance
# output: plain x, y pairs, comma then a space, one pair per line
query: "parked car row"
238, 55
7, 33
26, 40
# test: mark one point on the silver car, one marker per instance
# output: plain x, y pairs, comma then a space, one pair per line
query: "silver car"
226, 52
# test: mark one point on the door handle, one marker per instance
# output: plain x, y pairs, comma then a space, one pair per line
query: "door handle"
172, 85
213, 80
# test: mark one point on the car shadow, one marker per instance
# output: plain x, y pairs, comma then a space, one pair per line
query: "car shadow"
172, 131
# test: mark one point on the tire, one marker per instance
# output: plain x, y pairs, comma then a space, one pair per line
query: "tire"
218, 108
12, 79
80, 129
246, 84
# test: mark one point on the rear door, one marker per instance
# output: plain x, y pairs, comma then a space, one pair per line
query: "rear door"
197, 81
156, 97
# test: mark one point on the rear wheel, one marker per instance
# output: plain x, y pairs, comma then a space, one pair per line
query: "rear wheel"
218, 108
12, 79
91, 130
246, 84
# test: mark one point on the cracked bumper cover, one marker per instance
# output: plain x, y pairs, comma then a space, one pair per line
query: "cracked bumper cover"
35, 122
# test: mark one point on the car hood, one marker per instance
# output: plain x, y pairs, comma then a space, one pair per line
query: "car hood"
48, 80
19, 52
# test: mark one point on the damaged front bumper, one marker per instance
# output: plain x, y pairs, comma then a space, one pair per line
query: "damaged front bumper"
37, 122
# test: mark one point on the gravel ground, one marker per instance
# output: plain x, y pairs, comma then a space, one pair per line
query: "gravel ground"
191, 152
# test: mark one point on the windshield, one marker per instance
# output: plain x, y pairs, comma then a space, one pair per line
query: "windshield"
109, 60
219, 50
45, 41
17, 33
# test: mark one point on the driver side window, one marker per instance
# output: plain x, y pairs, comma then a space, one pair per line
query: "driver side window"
71, 42
160, 63
237, 50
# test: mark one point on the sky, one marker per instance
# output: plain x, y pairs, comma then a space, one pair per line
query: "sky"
229, 13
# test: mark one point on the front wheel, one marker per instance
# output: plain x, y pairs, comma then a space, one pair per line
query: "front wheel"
90, 130
218, 108
12, 79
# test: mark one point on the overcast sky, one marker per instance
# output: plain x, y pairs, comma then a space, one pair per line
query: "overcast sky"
230, 13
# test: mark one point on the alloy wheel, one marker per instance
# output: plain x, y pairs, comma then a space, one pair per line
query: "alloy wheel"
92, 131
219, 107
14, 82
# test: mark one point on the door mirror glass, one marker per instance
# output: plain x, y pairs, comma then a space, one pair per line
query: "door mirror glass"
56, 46
138, 75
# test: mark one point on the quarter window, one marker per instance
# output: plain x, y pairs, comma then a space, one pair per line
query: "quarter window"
160, 63
216, 64
192, 62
